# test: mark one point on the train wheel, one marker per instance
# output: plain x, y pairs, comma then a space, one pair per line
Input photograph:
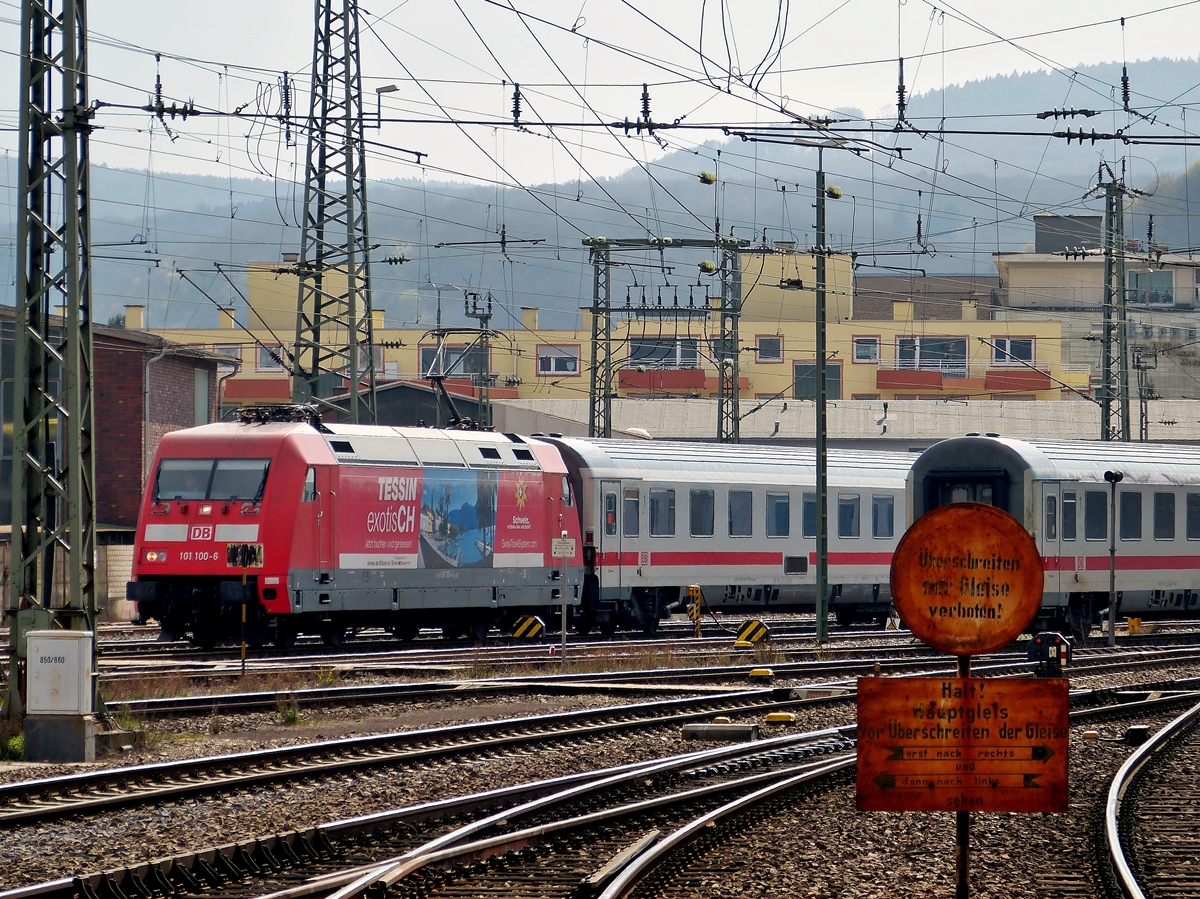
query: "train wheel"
285, 637
478, 630
333, 635
405, 633
608, 626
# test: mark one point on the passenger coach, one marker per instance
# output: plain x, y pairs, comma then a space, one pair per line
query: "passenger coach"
739, 520
1059, 492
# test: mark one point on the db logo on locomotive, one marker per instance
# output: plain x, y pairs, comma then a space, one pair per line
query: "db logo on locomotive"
201, 532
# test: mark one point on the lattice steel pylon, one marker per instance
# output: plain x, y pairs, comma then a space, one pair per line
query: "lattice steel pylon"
1114, 348
729, 417
600, 391
53, 474
334, 333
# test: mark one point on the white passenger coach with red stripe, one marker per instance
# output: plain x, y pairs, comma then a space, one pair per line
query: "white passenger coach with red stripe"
739, 520
1059, 492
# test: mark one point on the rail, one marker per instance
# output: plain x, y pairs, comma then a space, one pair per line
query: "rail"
1122, 871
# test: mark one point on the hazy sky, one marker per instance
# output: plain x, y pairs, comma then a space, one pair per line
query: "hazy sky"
834, 54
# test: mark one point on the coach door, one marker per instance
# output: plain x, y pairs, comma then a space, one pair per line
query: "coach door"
610, 534
326, 500
1050, 533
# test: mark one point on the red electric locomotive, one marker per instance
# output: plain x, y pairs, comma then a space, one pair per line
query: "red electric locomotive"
324, 529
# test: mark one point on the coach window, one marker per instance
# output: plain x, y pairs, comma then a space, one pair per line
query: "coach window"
779, 514
1095, 515
808, 515
1051, 517
1164, 516
662, 513
1193, 516
883, 516
1068, 515
610, 515
847, 514
741, 513
700, 507
310, 486
633, 513
1131, 515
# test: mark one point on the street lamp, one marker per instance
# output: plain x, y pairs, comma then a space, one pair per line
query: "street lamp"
1113, 478
379, 92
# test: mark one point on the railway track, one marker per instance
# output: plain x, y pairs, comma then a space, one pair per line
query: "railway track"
91, 791
632, 682
635, 830
1152, 816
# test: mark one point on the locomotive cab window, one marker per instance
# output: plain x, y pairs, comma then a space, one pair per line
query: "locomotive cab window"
1068, 515
1131, 515
632, 512
741, 513
701, 504
1164, 516
779, 514
1095, 515
610, 515
183, 479
239, 479
223, 479
1051, 530
310, 486
566, 492
662, 513
848, 525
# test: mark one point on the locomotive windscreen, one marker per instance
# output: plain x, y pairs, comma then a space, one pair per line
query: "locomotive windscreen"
218, 479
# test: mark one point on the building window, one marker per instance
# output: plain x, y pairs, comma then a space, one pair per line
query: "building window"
558, 360
456, 361
883, 516
633, 513
866, 349
269, 358
1012, 350
1164, 516
664, 352
779, 514
741, 513
201, 396
701, 504
232, 350
662, 513
945, 354
1095, 515
770, 349
806, 380
1150, 288
1131, 516
848, 515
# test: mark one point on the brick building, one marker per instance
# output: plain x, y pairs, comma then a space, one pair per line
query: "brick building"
144, 387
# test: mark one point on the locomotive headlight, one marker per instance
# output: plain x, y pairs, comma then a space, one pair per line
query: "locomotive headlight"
204, 509
155, 555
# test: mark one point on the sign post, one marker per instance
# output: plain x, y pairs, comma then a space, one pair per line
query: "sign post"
967, 579
563, 548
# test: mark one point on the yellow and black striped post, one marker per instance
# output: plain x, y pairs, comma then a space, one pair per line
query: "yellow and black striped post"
529, 627
695, 608
752, 631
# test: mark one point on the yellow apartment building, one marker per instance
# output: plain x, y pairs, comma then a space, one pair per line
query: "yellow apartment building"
669, 350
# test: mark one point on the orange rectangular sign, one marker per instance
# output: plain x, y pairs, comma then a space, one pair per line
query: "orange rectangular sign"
962, 744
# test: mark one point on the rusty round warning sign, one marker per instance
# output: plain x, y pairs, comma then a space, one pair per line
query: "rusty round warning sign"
967, 578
